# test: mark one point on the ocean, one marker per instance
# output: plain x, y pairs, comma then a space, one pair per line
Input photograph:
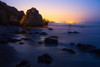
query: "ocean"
14, 53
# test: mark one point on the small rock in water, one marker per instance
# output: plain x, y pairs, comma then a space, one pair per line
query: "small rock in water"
30, 33
45, 59
85, 47
76, 32
20, 32
25, 38
72, 43
3, 42
95, 51
13, 40
53, 36
21, 42
40, 43
69, 32
43, 33
50, 28
23, 63
69, 50
36, 32
51, 41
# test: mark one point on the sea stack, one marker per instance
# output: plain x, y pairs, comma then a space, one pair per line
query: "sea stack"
32, 18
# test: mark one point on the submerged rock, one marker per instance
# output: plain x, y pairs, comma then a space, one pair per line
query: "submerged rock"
13, 40
72, 43
69, 50
20, 32
74, 32
32, 18
85, 47
40, 42
25, 38
95, 51
45, 59
21, 42
43, 33
53, 36
50, 28
23, 63
51, 41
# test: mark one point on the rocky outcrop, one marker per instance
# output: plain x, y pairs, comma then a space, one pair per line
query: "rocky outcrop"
32, 18
9, 15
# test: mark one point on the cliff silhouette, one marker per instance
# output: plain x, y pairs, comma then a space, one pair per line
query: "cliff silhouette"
11, 16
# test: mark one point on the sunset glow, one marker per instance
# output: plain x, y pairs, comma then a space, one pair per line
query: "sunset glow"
62, 10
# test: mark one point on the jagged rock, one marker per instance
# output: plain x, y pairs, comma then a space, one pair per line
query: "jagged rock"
45, 59
9, 15
32, 18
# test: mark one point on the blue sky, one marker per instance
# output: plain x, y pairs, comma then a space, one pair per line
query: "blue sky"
62, 10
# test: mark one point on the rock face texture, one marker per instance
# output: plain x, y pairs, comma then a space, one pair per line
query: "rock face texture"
9, 15
32, 18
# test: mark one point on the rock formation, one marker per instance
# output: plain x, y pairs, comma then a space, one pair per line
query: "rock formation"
32, 18
9, 15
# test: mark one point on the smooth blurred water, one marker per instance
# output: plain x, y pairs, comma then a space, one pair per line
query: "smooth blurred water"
30, 50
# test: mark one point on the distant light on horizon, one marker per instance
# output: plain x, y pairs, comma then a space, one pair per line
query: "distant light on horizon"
62, 10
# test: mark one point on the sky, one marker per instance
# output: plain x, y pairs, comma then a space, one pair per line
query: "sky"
62, 10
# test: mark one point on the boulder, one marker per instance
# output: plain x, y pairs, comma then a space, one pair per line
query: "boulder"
32, 18
9, 15
45, 59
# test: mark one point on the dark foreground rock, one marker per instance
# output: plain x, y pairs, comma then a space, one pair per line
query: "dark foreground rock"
50, 40
32, 18
69, 50
85, 47
45, 59
23, 63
